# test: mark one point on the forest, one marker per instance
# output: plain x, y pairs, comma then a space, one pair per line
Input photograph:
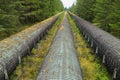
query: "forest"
15, 15
28, 51
102, 13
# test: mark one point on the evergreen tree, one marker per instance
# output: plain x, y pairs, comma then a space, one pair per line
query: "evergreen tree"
8, 17
84, 9
115, 18
16, 13
102, 14
73, 8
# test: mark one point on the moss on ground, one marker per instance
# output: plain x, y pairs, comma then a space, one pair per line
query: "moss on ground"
31, 64
90, 68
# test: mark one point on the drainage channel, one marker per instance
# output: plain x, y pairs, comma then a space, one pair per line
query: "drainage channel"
61, 63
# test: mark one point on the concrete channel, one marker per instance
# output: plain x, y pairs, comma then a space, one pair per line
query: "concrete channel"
61, 62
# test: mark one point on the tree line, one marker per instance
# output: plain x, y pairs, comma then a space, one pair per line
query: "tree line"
103, 13
14, 14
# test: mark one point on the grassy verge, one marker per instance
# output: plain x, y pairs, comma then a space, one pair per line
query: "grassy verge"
91, 69
30, 65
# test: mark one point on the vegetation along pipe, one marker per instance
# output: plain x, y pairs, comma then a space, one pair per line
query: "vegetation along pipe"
106, 46
15, 47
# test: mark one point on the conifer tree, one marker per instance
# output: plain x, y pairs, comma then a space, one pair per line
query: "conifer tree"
16, 13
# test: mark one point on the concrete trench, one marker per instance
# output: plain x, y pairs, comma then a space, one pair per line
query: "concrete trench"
61, 63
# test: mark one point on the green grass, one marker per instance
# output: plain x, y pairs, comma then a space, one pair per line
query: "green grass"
30, 65
90, 68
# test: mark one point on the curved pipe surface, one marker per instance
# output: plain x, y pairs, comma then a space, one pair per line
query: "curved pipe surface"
15, 47
106, 46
